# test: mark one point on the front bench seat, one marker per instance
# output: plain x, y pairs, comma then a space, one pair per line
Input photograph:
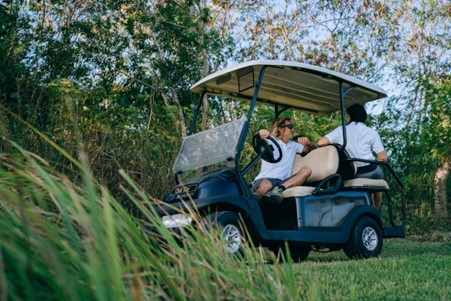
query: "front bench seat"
323, 161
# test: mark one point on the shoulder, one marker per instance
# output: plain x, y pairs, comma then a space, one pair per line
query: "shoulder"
334, 132
293, 144
280, 142
372, 131
361, 127
297, 146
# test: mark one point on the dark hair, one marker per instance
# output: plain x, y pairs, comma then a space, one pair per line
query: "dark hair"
357, 113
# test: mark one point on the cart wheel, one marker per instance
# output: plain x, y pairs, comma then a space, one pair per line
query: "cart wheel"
230, 228
365, 240
299, 253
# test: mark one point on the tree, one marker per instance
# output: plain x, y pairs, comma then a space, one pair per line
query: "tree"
423, 67
404, 43
120, 72
116, 72
439, 99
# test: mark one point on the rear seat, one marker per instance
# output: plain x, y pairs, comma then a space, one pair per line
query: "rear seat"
323, 161
348, 171
368, 184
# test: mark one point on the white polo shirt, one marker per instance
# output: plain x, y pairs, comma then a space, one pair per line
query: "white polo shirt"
280, 170
361, 141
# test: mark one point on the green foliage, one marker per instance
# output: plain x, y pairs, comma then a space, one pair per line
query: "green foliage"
61, 240
438, 118
418, 149
113, 77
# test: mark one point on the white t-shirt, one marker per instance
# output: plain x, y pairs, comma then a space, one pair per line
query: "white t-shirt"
280, 170
361, 141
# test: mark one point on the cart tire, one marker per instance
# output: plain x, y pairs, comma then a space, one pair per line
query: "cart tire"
299, 254
366, 239
230, 228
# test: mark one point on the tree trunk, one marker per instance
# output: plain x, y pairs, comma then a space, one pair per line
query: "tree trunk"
440, 183
205, 64
175, 99
205, 103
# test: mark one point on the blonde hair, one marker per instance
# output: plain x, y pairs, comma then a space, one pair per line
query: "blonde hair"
276, 124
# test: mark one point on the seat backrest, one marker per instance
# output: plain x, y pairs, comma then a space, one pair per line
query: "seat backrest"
323, 161
347, 169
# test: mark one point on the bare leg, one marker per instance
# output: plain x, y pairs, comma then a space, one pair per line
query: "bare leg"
299, 178
377, 198
263, 188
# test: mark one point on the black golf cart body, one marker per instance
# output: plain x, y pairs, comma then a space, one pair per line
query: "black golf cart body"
333, 211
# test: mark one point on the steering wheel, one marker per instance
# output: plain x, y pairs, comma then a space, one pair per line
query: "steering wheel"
262, 147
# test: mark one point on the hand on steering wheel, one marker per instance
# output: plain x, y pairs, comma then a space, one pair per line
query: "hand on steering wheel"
261, 147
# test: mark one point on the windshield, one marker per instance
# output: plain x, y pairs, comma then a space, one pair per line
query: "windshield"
209, 147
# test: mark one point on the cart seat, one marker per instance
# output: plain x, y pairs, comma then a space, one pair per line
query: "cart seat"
298, 191
323, 161
367, 184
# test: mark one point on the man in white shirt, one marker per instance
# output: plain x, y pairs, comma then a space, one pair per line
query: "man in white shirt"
274, 178
362, 141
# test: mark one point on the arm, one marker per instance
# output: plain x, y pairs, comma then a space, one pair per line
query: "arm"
382, 156
308, 145
378, 148
334, 137
323, 141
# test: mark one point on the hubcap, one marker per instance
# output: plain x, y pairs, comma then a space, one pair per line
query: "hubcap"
370, 239
232, 237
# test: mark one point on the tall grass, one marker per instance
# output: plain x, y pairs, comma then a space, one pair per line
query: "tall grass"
65, 241
62, 241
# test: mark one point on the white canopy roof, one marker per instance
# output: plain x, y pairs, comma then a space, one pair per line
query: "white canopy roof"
302, 86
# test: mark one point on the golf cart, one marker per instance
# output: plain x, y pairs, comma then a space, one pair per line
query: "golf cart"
331, 211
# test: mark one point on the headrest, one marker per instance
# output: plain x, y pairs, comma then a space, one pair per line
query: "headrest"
323, 161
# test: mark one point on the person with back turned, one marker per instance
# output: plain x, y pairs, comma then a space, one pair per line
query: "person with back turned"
362, 141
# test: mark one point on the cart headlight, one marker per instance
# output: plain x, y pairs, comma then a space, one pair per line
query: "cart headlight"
177, 220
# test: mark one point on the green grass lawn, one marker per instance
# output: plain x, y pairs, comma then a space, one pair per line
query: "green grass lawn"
406, 270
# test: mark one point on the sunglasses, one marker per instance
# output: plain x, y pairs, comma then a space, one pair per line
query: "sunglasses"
290, 126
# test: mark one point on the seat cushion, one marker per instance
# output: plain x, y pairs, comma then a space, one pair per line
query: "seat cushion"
323, 161
362, 182
297, 191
